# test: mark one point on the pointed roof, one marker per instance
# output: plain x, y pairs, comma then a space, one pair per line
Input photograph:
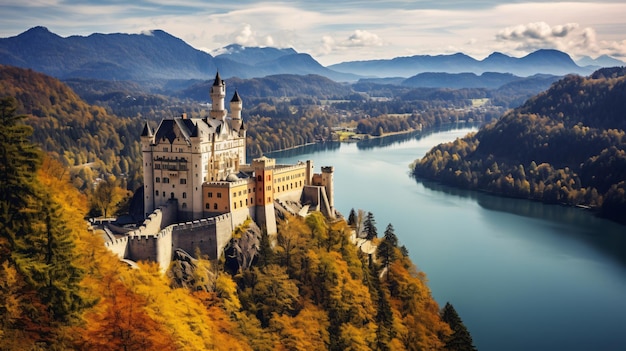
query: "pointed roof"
147, 131
236, 97
218, 79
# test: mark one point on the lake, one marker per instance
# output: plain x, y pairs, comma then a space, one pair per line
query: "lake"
522, 275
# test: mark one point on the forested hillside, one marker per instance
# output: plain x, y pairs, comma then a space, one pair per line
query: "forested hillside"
566, 145
312, 289
82, 136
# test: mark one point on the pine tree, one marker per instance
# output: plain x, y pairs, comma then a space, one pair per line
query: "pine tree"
352, 217
460, 340
369, 227
19, 160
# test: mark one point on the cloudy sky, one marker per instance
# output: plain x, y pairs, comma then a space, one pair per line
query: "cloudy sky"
337, 31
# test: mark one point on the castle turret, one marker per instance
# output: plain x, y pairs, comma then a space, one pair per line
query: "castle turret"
218, 93
236, 105
265, 214
327, 182
147, 140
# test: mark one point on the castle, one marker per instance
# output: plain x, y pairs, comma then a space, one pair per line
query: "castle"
198, 187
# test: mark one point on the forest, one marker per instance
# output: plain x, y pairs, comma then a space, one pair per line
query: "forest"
309, 287
564, 146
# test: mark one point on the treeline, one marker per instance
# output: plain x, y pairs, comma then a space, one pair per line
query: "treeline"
567, 145
310, 287
82, 136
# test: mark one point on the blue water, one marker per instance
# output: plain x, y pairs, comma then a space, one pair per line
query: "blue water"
522, 275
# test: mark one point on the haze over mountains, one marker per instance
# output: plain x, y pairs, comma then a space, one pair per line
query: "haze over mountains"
159, 55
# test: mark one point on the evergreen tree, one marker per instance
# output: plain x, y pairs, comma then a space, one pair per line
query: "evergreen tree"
352, 217
460, 339
19, 160
369, 227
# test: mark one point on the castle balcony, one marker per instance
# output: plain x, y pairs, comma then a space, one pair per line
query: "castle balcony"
171, 164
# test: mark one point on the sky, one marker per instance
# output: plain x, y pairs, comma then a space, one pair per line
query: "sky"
334, 31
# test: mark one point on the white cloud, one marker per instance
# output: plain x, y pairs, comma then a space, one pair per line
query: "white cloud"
363, 38
538, 31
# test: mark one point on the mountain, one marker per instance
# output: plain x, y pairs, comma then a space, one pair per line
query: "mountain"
148, 56
252, 55
539, 62
600, 61
565, 145
255, 62
155, 55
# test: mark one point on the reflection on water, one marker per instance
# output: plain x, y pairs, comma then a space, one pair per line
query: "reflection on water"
603, 235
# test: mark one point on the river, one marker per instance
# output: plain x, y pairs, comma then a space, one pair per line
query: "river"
522, 275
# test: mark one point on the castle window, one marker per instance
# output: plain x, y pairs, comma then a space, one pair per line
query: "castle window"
164, 194
157, 166
246, 202
219, 195
207, 206
158, 179
165, 149
234, 205
210, 194
166, 180
269, 177
183, 181
259, 178
184, 205
171, 195
241, 203
215, 206
157, 193
184, 195
239, 193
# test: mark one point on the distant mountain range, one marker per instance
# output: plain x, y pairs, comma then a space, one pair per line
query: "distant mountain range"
539, 62
158, 55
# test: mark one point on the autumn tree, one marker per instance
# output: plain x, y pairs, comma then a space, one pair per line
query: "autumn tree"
107, 197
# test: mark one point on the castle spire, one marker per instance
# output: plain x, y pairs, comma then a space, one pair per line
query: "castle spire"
147, 131
218, 80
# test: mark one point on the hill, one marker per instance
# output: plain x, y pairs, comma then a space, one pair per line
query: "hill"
277, 86
73, 131
490, 80
541, 61
566, 145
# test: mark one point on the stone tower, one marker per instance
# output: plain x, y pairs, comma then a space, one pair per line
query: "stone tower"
218, 93
147, 137
265, 214
327, 182
236, 105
